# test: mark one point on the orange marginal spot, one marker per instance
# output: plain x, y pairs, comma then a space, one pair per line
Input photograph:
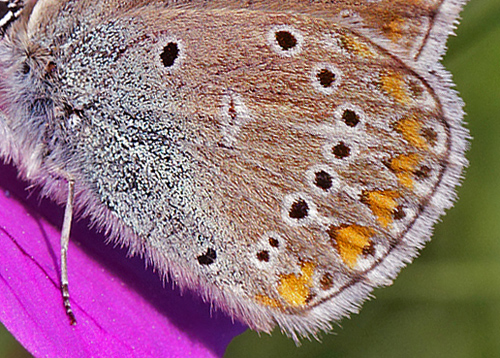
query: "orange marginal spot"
267, 301
382, 203
405, 179
405, 162
350, 241
404, 165
410, 128
295, 289
394, 28
350, 44
394, 85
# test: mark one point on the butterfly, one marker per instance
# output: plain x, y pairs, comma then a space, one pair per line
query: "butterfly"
281, 158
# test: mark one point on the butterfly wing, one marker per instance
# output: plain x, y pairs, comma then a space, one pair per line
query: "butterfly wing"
283, 158
414, 29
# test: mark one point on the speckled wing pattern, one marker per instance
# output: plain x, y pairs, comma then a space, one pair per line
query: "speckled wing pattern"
282, 157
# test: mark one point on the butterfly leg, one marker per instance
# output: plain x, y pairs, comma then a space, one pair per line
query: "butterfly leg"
66, 228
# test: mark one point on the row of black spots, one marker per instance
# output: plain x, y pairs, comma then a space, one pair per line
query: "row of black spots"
341, 150
287, 42
270, 245
323, 179
171, 53
350, 118
208, 257
350, 121
299, 209
326, 78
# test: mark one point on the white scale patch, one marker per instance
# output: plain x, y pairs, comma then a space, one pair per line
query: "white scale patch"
234, 115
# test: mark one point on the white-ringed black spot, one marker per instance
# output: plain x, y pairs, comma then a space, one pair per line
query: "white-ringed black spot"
169, 54
274, 242
323, 180
299, 209
326, 77
341, 150
350, 118
208, 258
263, 256
286, 40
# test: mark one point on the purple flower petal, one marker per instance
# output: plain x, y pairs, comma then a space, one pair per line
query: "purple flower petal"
122, 309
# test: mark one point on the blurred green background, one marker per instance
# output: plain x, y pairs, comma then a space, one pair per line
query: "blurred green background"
447, 303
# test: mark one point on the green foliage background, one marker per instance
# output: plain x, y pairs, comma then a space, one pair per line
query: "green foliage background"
447, 303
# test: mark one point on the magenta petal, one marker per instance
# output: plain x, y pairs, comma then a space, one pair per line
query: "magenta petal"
122, 309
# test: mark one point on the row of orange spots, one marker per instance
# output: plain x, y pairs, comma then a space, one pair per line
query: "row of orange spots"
411, 130
351, 241
404, 166
294, 289
355, 47
394, 84
403, 27
383, 204
394, 28
267, 301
